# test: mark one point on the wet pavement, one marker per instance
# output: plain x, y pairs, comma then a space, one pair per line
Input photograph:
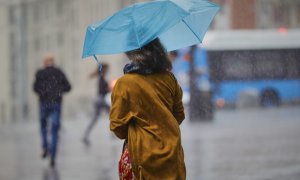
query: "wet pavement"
254, 144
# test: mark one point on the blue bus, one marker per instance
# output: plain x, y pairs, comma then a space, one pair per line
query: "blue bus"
263, 62
181, 68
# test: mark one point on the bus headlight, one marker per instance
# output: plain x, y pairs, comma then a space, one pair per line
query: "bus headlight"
220, 102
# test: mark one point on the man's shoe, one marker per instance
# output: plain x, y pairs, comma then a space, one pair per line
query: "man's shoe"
44, 153
86, 141
52, 162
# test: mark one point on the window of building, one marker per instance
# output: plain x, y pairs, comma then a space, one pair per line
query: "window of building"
222, 19
59, 7
37, 44
48, 42
60, 39
47, 10
13, 65
29, 13
36, 12
277, 13
11, 15
3, 111
298, 15
74, 17
281, 14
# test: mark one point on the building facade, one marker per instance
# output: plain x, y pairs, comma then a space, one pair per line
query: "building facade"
30, 29
5, 102
257, 14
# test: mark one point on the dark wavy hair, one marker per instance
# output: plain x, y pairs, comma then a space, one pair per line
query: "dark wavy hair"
153, 56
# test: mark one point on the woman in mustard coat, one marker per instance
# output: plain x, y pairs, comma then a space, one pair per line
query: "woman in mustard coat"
147, 111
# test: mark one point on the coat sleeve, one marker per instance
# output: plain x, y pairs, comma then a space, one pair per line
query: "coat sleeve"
178, 109
65, 84
120, 114
37, 84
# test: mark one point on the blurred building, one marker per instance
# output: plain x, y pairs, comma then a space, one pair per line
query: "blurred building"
32, 28
257, 14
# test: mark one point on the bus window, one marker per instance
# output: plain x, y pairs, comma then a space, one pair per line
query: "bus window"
237, 69
292, 64
268, 65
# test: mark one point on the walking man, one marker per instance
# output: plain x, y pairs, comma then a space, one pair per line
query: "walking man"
50, 84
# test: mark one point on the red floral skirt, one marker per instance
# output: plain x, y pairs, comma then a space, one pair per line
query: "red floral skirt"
125, 166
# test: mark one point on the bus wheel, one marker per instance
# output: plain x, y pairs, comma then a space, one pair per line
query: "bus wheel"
269, 98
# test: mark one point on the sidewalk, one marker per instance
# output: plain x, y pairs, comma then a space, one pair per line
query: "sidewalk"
246, 145
20, 153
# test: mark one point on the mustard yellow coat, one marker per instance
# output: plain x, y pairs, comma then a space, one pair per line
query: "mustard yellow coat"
147, 109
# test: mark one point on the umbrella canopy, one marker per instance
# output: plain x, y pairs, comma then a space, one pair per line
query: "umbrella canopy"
177, 23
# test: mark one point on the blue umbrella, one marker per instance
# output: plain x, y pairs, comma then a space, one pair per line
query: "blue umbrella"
177, 23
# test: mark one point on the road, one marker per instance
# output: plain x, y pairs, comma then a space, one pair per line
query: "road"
249, 144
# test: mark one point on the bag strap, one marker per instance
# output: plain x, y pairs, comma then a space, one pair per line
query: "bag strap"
124, 145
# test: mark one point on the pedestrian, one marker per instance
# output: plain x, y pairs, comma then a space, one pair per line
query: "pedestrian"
173, 55
50, 85
146, 111
100, 104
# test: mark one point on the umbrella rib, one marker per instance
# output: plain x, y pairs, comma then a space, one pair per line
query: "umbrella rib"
192, 30
134, 27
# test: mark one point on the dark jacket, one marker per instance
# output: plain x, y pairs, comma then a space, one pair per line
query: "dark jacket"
103, 88
50, 84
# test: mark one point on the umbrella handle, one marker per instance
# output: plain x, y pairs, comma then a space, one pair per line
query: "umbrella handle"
100, 65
